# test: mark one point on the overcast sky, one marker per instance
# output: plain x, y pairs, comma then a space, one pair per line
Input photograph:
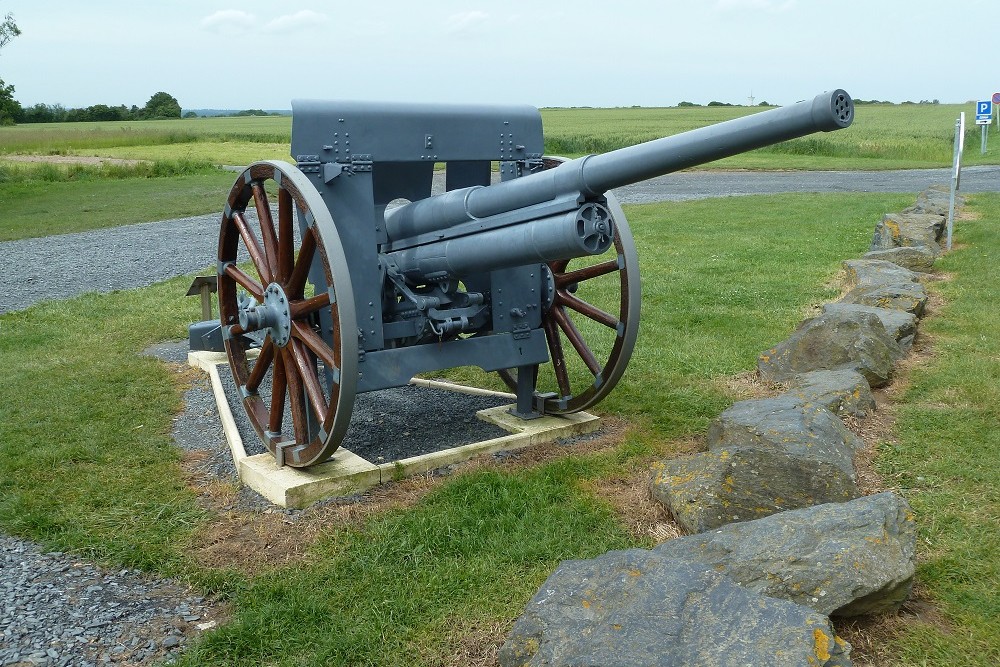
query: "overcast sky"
257, 54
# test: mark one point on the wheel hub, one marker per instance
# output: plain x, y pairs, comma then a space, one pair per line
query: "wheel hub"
273, 315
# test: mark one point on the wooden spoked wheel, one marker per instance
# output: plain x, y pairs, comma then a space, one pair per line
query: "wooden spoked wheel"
592, 323
295, 293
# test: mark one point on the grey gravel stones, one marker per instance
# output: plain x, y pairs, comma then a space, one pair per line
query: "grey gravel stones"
59, 610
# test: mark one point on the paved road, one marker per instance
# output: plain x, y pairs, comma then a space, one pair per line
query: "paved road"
139, 255
705, 184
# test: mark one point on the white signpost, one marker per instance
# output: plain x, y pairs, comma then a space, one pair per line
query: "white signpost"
956, 175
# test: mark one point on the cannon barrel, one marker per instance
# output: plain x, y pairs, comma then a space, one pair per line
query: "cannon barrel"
588, 230
593, 175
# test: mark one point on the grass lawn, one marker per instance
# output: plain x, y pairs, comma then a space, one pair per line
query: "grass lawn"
42, 208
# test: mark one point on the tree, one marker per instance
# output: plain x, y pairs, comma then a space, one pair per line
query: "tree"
162, 105
10, 109
8, 30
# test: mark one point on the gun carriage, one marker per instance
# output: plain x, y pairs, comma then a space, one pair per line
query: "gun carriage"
359, 278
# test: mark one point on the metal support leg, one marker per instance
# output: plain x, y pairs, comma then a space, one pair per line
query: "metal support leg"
525, 408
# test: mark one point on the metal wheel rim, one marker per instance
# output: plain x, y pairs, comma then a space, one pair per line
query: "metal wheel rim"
320, 417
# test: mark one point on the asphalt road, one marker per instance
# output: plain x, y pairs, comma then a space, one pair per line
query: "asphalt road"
705, 184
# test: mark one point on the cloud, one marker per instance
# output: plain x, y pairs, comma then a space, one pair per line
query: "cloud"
770, 6
229, 21
465, 20
300, 20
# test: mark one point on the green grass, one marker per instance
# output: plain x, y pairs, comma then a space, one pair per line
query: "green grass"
42, 208
945, 460
716, 292
86, 462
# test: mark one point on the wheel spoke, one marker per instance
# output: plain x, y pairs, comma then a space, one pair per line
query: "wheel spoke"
298, 408
253, 247
263, 363
310, 380
559, 266
267, 232
246, 282
575, 339
558, 358
586, 273
297, 281
286, 236
279, 387
300, 309
314, 342
593, 312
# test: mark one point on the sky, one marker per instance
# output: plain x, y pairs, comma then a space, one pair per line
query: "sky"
261, 55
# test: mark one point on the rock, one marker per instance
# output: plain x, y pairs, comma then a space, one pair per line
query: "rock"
834, 341
936, 200
841, 392
875, 272
786, 424
913, 258
909, 229
730, 484
910, 298
845, 559
899, 324
636, 608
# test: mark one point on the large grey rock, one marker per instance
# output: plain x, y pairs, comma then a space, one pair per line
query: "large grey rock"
637, 608
834, 341
899, 324
909, 297
908, 229
845, 559
912, 258
935, 200
841, 392
730, 484
875, 273
786, 424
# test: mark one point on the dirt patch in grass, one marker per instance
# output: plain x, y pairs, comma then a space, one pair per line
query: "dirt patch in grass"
467, 644
71, 159
871, 637
750, 385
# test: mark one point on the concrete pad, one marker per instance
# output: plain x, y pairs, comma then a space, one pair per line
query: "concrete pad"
346, 473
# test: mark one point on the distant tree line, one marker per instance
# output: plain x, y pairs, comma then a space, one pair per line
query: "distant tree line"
713, 103
230, 114
888, 102
160, 105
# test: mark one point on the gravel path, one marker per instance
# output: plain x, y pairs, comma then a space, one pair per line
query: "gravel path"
58, 610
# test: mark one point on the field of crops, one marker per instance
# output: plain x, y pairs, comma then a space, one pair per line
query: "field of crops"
882, 137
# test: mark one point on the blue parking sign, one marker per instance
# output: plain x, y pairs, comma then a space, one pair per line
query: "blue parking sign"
984, 108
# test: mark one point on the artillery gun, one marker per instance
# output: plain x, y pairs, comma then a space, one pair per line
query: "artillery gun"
359, 278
